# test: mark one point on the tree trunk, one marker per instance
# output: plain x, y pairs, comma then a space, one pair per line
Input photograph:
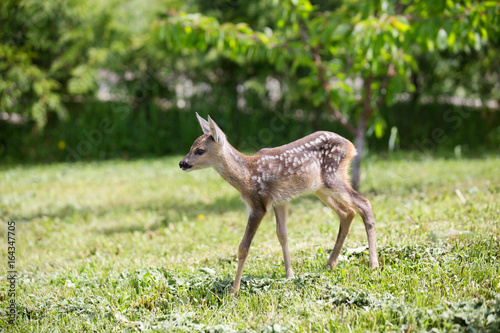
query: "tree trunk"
359, 143
359, 137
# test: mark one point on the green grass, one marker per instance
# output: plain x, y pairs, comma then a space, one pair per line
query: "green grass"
143, 246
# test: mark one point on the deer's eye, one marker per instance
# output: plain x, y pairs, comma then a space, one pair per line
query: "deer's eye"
199, 151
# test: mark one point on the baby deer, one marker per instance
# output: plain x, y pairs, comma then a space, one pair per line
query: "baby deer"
317, 163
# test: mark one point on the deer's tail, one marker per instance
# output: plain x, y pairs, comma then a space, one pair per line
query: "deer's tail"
350, 153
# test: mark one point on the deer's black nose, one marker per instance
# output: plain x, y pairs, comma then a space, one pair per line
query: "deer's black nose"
183, 165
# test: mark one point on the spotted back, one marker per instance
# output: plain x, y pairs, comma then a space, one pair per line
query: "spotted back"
304, 165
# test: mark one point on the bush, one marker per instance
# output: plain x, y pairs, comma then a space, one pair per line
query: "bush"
104, 130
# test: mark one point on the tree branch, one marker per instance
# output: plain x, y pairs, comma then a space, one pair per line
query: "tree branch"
367, 107
390, 73
322, 77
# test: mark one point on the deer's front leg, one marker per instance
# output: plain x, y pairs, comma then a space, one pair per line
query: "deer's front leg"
254, 218
281, 213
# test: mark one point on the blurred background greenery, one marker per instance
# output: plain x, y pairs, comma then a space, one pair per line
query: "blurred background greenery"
93, 79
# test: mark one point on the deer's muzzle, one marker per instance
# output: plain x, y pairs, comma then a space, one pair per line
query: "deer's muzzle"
184, 165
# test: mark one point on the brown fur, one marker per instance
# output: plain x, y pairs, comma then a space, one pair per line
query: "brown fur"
317, 163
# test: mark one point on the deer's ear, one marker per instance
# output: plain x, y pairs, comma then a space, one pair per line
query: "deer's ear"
204, 124
216, 132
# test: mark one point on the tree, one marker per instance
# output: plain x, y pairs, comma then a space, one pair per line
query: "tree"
48, 50
53, 51
352, 59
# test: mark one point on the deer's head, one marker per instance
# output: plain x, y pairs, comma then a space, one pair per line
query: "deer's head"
206, 150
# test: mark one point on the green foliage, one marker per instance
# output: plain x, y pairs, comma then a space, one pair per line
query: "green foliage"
98, 131
349, 59
52, 51
377, 41
433, 127
46, 50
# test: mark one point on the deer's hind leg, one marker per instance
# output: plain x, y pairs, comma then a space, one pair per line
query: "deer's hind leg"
281, 217
364, 208
346, 215
342, 193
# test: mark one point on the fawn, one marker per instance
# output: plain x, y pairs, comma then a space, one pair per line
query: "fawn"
317, 163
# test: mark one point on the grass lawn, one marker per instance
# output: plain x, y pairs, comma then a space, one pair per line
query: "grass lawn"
140, 245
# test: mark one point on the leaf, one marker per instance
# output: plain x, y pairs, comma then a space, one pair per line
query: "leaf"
490, 3
477, 41
39, 113
162, 33
399, 24
484, 33
345, 87
341, 31
442, 39
318, 97
207, 270
451, 39
280, 63
305, 82
430, 45
379, 128
359, 249
38, 87
263, 38
300, 61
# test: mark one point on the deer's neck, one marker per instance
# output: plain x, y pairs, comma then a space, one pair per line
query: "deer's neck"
234, 167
